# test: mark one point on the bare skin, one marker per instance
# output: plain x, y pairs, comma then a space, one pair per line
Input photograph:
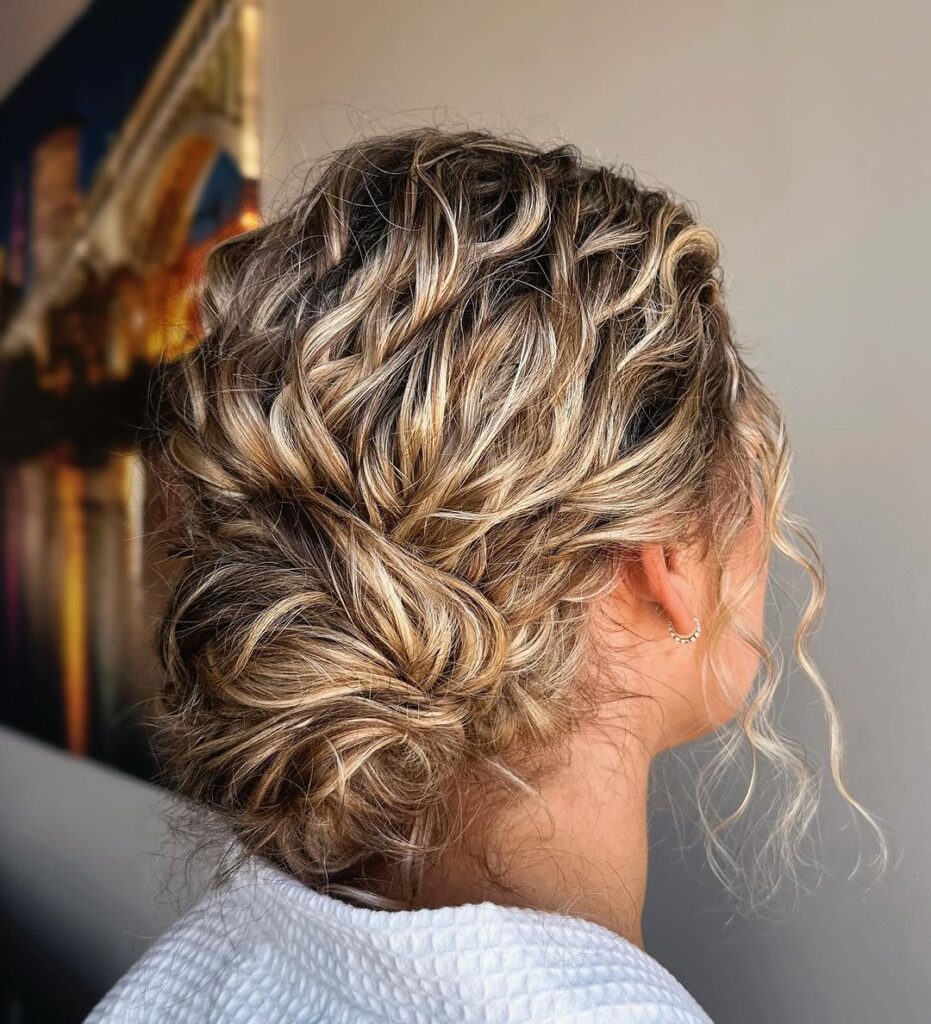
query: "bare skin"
581, 847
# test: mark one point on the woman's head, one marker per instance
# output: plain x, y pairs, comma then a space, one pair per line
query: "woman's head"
468, 427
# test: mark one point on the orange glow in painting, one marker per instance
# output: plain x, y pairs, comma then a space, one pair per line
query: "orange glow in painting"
73, 609
111, 219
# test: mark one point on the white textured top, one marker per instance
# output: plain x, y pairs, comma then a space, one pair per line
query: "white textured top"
266, 949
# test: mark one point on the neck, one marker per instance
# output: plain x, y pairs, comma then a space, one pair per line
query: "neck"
579, 848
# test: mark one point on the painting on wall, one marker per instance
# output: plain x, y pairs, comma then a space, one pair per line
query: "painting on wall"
131, 149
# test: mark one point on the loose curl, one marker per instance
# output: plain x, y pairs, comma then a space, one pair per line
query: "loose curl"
436, 402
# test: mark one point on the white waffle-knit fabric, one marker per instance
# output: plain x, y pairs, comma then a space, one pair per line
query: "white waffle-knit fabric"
265, 949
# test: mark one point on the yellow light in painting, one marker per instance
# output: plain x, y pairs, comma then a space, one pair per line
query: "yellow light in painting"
250, 22
249, 220
73, 609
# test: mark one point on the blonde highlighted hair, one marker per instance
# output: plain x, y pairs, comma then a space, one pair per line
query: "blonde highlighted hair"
435, 402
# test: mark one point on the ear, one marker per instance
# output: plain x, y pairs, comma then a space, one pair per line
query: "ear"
667, 587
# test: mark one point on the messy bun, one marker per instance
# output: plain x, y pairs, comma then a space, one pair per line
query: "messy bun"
435, 402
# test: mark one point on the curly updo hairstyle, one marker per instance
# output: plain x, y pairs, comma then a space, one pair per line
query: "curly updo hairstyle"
435, 403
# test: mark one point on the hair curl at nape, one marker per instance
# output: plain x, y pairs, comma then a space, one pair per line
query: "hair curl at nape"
434, 402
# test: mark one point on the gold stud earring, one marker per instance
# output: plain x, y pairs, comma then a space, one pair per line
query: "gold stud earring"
691, 638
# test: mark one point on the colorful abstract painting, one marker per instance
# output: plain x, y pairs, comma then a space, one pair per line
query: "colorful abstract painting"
130, 149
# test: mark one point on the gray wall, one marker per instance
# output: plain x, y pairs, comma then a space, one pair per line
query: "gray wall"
801, 127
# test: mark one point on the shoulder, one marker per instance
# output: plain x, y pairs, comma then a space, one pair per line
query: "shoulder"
187, 974
212, 965
572, 970
269, 949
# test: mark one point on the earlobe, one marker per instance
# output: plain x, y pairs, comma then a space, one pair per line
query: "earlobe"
666, 587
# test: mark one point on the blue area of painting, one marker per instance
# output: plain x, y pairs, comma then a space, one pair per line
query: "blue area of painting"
219, 200
91, 77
